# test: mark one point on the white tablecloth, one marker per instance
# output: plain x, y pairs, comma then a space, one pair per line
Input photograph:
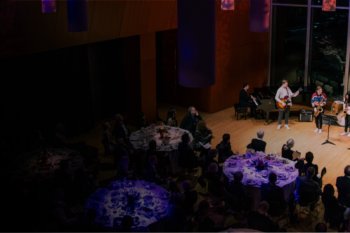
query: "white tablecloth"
144, 201
170, 141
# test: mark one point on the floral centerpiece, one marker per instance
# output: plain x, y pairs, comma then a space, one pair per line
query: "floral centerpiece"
260, 164
162, 131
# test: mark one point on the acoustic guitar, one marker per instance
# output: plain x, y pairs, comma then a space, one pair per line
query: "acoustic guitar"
286, 101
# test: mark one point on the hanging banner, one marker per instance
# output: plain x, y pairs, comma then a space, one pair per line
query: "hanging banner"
48, 6
227, 5
329, 5
196, 43
259, 15
77, 15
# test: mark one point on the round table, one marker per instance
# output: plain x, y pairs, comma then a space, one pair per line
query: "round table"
254, 176
166, 137
145, 202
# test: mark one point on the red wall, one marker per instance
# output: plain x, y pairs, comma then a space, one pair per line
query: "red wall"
241, 56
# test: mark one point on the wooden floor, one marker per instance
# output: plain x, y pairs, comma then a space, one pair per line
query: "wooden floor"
333, 157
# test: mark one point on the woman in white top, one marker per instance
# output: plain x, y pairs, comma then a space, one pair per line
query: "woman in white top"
284, 101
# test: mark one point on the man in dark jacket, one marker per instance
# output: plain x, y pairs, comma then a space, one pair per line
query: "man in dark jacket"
190, 121
343, 186
258, 144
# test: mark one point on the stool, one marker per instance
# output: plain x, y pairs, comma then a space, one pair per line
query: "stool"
240, 111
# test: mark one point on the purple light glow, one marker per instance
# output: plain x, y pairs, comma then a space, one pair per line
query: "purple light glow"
48, 6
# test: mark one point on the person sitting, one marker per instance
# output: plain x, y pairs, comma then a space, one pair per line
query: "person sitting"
190, 197
107, 139
202, 136
247, 100
190, 121
171, 118
321, 227
307, 191
224, 148
239, 193
120, 130
187, 158
343, 186
309, 157
257, 144
287, 151
260, 220
333, 212
274, 195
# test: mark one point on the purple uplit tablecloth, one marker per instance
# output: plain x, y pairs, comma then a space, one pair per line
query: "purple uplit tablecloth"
252, 176
144, 201
166, 137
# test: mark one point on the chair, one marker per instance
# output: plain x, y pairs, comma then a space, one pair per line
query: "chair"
240, 111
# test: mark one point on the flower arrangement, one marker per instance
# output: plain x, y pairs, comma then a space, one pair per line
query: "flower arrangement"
162, 131
260, 164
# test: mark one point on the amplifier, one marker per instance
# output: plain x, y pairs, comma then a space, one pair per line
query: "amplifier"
306, 115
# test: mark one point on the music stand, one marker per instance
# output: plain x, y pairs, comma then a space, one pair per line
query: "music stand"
329, 120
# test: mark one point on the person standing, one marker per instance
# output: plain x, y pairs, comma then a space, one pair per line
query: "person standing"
190, 121
346, 108
284, 101
318, 100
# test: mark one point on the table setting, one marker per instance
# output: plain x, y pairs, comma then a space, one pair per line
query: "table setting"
167, 138
144, 201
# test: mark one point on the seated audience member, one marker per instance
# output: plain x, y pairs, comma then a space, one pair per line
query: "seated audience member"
214, 179
343, 186
202, 136
287, 151
307, 191
224, 148
190, 121
246, 100
274, 195
239, 193
333, 212
171, 118
257, 144
202, 222
309, 157
190, 197
187, 158
126, 224
260, 220
120, 130
107, 139
321, 227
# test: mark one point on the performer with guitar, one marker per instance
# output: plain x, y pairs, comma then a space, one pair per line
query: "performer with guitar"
284, 101
346, 109
318, 100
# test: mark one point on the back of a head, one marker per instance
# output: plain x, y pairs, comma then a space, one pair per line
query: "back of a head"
347, 170
185, 138
321, 227
272, 177
226, 137
152, 145
290, 143
203, 207
127, 222
238, 176
310, 172
328, 191
309, 157
263, 207
260, 133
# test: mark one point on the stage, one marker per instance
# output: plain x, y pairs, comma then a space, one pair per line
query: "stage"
333, 157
